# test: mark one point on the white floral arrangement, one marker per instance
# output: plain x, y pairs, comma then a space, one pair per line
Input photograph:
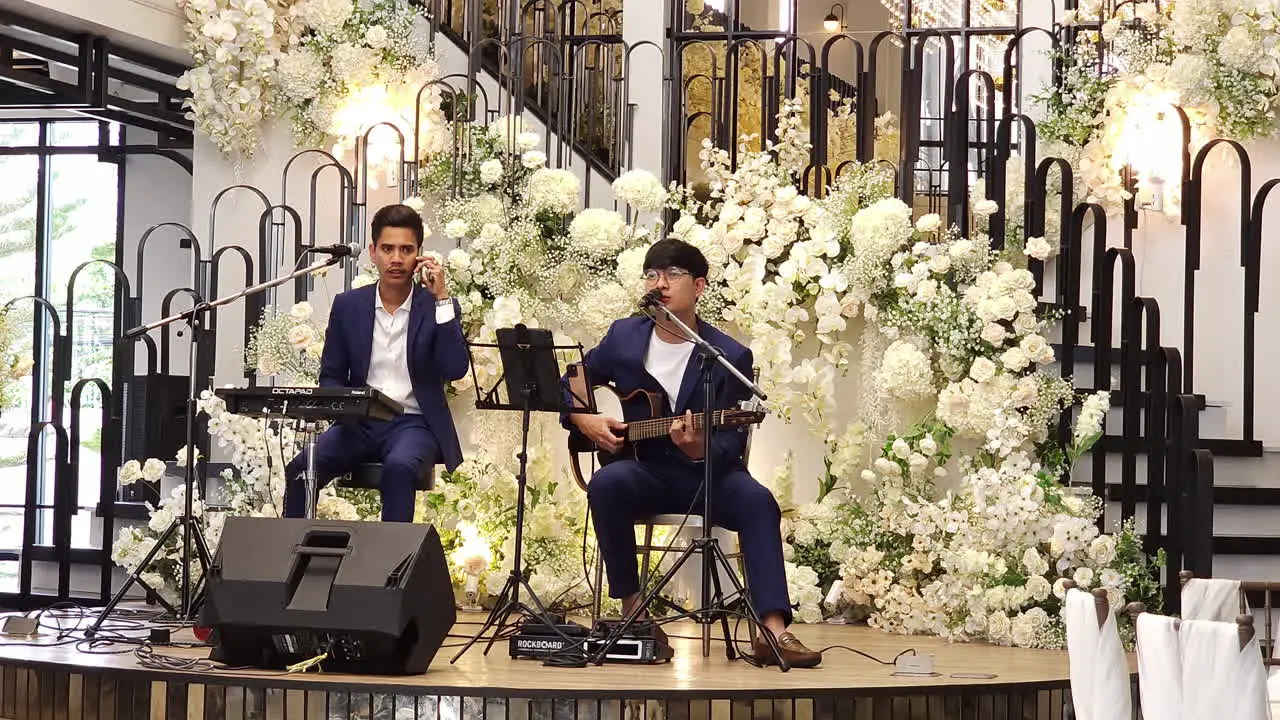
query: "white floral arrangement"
287, 344
527, 251
133, 543
321, 63
778, 269
1213, 58
346, 56
474, 509
949, 332
234, 45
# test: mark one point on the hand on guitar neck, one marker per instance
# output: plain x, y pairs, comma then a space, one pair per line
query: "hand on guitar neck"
686, 433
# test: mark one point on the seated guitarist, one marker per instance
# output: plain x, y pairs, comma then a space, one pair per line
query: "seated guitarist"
667, 473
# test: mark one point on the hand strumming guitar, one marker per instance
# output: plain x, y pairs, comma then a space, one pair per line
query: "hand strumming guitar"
607, 433
687, 437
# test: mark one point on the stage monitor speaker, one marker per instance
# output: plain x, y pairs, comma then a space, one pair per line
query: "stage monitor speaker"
373, 598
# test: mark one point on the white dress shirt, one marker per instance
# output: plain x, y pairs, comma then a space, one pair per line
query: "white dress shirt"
389, 356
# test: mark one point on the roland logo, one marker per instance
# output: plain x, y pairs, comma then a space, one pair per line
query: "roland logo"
292, 391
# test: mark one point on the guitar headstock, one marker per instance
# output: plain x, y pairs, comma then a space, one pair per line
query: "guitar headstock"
749, 412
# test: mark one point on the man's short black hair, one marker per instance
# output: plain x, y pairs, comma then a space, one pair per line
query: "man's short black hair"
397, 216
676, 253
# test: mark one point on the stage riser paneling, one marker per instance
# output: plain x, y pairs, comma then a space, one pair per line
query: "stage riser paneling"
52, 694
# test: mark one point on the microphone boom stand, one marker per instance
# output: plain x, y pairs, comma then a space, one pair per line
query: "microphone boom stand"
708, 546
191, 532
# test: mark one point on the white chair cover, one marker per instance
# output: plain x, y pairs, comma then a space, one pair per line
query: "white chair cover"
1159, 667
1219, 678
1100, 686
1211, 599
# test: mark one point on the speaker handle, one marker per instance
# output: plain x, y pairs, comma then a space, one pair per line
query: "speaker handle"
322, 551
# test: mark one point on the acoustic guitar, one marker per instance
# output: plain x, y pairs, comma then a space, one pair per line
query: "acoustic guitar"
644, 422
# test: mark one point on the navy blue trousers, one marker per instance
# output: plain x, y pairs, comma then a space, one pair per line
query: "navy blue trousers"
402, 445
626, 491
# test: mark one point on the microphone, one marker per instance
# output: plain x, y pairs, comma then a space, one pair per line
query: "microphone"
338, 251
651, 298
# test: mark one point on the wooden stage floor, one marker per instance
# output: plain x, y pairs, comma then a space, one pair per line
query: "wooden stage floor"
42, 679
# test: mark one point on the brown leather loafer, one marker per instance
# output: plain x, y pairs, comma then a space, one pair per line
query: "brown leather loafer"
793, 651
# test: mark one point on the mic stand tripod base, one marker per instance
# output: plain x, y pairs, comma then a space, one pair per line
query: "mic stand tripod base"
713, 559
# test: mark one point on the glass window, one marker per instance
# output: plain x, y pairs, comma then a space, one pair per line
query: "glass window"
18, 255
19, 134
76, 133
84, 229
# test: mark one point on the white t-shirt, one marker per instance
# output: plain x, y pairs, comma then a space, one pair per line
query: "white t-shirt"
666, 362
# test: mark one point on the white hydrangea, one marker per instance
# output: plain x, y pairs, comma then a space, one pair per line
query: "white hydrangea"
554, 190
491, 171
300, 74
325, 16
641, 190
598, 232
905, 372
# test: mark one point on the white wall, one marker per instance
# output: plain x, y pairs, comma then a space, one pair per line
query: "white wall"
1159, 250
152, 26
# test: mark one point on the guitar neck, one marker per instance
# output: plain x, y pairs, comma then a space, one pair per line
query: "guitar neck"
661, 427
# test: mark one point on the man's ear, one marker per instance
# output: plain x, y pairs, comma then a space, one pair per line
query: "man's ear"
699, 285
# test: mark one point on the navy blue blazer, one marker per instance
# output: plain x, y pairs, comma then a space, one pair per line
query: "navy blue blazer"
436, 354
619, 360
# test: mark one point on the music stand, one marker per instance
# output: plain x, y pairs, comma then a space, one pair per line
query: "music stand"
531, 373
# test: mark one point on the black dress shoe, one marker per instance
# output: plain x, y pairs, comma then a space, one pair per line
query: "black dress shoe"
792, 650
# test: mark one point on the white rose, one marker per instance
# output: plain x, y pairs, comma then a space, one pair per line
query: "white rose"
300, 336
152, 470
1015, 359
993, 333
982, 370
1036, 347
1039, 248
527, 141
983, 208
456, 228
459, 259
929, 223
376, 37
301, 311
1083, 577
415, 203
130, 472
533, 159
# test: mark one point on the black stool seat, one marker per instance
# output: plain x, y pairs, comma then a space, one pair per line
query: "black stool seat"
366, 476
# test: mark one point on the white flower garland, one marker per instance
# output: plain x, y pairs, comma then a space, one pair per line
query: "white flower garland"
1215, 59
334, 67
234, 45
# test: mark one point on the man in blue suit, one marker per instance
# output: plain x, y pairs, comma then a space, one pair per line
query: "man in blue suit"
640, 353
404, 339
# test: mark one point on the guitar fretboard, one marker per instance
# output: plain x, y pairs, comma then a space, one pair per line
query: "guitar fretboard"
661, 427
